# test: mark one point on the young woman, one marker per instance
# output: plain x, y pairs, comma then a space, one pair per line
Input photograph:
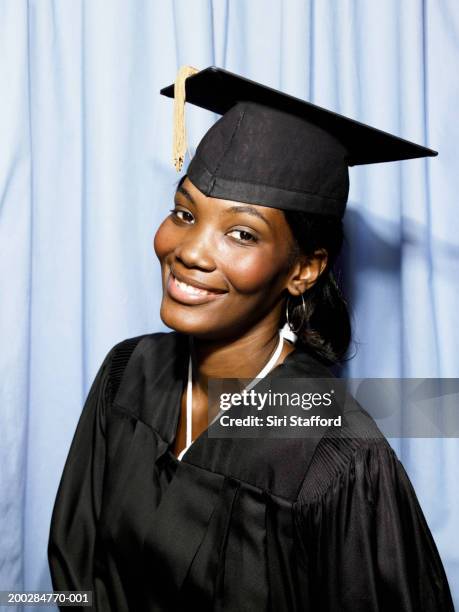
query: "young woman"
154, 514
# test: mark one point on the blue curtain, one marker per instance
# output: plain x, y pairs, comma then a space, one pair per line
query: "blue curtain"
86, 178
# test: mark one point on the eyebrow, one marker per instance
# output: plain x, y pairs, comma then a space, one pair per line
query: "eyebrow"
243, 208
250, 210
183, 191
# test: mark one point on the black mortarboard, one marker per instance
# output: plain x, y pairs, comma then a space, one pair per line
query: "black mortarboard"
275, 150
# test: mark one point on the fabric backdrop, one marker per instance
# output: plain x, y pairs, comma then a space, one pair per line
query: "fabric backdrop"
86, 178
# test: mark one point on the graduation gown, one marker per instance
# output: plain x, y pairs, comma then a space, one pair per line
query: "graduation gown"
330, 524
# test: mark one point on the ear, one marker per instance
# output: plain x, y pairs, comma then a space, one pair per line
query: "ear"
305, 272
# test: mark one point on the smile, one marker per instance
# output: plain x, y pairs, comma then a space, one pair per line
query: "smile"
186, 293
190, 289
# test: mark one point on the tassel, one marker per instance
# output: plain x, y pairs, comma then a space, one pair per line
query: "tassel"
180, 144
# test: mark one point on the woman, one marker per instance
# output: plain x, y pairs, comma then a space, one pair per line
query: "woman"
152, 513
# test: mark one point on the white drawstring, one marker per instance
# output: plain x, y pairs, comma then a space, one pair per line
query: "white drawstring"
189, 405
189, 389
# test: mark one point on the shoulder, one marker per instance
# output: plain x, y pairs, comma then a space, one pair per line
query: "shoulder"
300, 363
353, 453
142, 352
146, 340
146, 344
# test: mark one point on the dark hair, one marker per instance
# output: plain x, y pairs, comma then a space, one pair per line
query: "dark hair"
325, 327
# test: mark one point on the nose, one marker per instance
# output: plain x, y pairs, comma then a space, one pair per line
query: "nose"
195, 250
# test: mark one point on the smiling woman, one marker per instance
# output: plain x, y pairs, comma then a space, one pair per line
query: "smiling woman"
239, 253
152, 512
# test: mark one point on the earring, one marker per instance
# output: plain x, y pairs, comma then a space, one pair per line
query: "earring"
303, 318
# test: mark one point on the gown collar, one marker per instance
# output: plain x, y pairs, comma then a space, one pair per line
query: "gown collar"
151, 390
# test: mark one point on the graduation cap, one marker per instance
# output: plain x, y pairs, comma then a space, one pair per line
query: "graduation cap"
273, 149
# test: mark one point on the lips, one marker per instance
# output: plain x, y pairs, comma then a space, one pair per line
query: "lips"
192, 292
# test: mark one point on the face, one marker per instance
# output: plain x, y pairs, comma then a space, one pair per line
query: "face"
225, 265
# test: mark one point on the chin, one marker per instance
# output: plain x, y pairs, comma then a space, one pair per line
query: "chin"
179, 325
182, 319
196, 321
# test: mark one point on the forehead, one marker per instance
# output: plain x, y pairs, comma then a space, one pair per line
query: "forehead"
274, 216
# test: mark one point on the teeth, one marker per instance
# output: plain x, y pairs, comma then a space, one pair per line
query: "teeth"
189, 289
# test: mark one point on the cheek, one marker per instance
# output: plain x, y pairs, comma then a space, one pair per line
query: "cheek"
252, 270
165, 239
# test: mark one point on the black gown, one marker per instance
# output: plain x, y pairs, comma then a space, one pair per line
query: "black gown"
289, 524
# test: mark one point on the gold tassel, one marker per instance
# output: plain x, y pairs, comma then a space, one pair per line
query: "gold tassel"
180, 144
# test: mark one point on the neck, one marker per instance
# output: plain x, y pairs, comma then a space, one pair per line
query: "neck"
241, 357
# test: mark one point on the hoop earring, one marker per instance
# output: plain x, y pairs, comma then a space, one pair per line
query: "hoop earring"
303, 318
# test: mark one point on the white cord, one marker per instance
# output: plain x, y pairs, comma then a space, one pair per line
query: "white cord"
189, 390
269, 365
189, 405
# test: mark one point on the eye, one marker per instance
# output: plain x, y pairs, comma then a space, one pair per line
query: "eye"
244, 236
183, 215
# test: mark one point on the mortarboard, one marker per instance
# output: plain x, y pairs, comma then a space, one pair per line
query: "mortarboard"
273, 149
